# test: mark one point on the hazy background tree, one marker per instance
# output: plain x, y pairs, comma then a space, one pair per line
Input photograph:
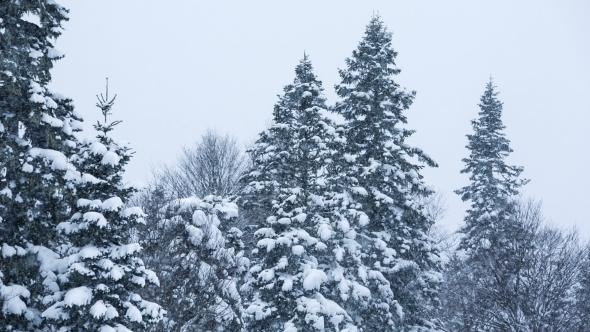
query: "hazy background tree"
540, 293
551, 272
447, 240
583, 293
492, 235
212, 166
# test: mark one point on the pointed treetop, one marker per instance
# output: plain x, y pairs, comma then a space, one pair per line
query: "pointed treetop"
490, 111
494, 184
105, 104
370, 74
377, 28
304, 71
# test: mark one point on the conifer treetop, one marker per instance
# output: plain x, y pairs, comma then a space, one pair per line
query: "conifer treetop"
296, 114
305, 94
384, 190
295, 247
369, 76
493, 183
99, 288
372, 102
105, 105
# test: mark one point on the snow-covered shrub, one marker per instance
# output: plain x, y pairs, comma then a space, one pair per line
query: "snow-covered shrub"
198, 255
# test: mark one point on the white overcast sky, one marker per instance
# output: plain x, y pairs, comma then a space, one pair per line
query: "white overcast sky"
180, 67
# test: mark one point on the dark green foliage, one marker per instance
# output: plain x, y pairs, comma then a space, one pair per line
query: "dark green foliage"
494, 184
294, 277
495, 240
517, 274
104, 271
384, 187
36, 141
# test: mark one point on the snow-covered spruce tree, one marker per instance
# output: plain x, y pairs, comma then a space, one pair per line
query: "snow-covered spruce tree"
494, 184
198, 265
495, 240
99, 287
294, 281
383, 190
36, 141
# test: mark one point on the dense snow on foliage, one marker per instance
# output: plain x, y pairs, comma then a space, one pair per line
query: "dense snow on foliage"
197, 251
98, 288
320, 227
36, 143
294, 282
383, 191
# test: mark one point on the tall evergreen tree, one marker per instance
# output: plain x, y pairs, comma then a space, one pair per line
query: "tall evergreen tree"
36, 141
104, 272
294, 275
495, 239
494, 184
383, 190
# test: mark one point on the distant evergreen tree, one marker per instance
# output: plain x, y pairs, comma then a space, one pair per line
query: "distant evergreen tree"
99, 287
495, 239
494, 184
295, 278
36, 178
383, 191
